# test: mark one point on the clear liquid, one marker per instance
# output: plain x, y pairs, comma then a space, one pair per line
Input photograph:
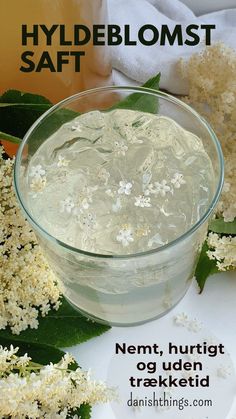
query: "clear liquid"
120, 183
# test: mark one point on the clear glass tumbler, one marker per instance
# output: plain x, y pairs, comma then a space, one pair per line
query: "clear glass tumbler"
121, 290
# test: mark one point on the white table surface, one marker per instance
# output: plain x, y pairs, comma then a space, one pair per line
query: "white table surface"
216, 307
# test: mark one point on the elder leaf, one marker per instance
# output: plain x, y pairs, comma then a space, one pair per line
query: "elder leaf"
40, 353
62, 328
139, 101
13, 97
19, 110
205, 267
9, 137
220, 226
84, 412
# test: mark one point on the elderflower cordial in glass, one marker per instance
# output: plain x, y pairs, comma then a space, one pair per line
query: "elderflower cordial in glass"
120, 182
117, 196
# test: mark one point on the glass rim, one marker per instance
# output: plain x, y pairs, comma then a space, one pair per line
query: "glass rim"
131, 89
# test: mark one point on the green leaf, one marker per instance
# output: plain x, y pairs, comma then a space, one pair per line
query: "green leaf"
27, 106
221, 227
62, 328
12, 97
205, 267
84, 412
139, 101
40, 353
8, 137
20, 110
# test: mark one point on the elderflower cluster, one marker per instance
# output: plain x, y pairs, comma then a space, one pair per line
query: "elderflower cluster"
27, 285
51, 391
223, 250
211, 76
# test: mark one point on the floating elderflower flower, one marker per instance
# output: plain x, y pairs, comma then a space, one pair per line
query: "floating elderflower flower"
181, 319
142, 201
37, 171
62, 162
125, 187
125, 236
67, 205
178, 180
120, 148
162, 188
37, 185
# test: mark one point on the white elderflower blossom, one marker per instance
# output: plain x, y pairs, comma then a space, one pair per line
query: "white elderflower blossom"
83, 201
38, 185
125, 187
178, 180
223, 250
9, 361
120, 148
67, 205
142, 201
193, 325
62, 162
217, 103
34, 289
37, 171
125, 236
181, 319
162, 188
88, 222
51, 391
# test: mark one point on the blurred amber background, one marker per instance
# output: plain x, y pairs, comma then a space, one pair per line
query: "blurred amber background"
95, 65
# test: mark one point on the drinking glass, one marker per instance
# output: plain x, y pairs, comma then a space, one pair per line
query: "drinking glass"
118, 289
